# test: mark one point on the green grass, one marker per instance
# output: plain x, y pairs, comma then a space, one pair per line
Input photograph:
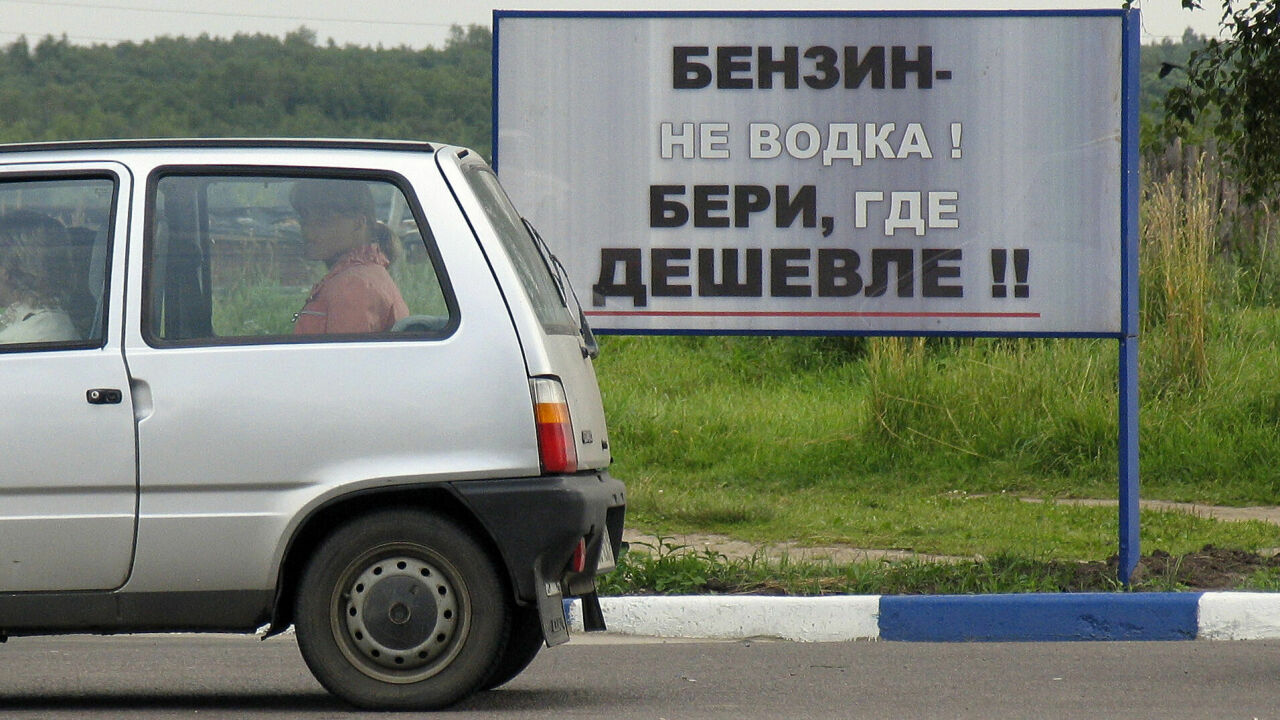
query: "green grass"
948, 524
666, 568
933, 446
1036, 416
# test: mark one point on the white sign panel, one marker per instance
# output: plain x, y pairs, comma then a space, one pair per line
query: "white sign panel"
768, 172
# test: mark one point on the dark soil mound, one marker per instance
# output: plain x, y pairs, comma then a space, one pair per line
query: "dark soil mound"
1210, 568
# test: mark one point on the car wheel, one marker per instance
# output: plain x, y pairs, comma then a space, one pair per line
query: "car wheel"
401, 610
523, 643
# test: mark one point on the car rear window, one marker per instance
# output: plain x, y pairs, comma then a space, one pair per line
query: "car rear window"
529, 261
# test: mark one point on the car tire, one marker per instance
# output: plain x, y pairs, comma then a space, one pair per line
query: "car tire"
524, 641
401, 610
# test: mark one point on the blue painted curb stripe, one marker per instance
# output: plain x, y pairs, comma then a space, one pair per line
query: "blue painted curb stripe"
1033, 617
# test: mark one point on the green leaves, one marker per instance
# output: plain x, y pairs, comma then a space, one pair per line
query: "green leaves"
1233, 86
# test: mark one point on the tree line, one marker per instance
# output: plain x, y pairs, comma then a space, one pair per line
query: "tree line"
248, 85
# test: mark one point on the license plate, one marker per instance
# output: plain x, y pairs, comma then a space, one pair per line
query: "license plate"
606, 562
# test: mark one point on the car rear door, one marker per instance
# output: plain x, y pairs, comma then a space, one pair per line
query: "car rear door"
68, 480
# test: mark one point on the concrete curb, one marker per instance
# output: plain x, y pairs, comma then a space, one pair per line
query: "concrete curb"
946, 618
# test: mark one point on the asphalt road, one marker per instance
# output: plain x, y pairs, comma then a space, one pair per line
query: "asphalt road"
241, 677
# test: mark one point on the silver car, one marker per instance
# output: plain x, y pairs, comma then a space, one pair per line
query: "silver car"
335, 385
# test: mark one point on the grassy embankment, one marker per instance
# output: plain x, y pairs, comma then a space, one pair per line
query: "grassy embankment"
935, 445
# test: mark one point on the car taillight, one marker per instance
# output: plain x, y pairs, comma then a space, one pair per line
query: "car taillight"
579, 561
556, 447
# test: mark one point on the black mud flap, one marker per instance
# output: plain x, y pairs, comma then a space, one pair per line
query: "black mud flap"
592, 616
551, 610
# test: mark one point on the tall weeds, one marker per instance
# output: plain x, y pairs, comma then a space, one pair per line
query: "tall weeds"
1257, 262
1047, 406
1180, 225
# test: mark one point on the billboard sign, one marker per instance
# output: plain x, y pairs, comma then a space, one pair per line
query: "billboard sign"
895, 172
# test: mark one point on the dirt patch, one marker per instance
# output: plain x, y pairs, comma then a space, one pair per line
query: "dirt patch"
1261, 513
1211, 568
731, 549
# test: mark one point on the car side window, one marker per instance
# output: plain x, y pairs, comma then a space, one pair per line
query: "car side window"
270, 258
54, 239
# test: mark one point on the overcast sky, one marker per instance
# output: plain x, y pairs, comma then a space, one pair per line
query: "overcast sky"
419, 23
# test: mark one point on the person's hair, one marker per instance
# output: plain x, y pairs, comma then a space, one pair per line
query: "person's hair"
36, 253
347, 197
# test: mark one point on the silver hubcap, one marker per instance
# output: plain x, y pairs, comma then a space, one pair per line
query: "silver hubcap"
402, 618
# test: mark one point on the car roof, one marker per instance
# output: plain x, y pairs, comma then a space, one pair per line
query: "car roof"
143, 153
228, 143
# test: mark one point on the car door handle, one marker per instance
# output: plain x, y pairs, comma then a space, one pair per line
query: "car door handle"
104, 396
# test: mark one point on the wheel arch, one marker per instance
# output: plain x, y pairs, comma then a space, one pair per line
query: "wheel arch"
323, 520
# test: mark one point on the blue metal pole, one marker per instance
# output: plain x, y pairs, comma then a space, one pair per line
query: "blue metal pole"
1128, 374
1129, 542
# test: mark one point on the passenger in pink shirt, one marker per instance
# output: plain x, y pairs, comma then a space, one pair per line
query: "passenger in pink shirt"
340, 228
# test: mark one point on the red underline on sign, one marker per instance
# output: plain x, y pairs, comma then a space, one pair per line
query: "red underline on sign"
708, 313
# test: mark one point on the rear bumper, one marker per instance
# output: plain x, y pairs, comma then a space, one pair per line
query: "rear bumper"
536, 524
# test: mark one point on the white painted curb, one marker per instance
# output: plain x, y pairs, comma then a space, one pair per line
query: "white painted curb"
723, 617
1239, 616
